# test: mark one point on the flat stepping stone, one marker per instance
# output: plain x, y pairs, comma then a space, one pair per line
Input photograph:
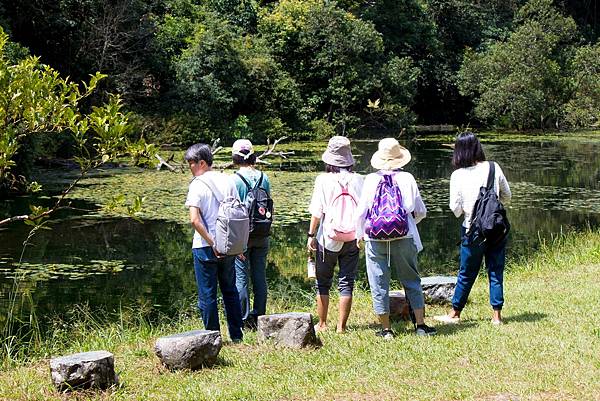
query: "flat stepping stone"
438, 289
189, 350
95, 369
293, 330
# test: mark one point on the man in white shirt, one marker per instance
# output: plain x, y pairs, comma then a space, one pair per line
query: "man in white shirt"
210, 267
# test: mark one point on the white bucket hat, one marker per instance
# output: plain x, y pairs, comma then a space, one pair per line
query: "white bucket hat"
390, 155
338, 152
242, 145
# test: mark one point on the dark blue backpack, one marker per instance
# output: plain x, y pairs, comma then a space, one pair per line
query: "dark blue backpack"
260, 208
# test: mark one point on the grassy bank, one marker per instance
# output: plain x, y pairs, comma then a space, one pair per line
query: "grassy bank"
547, 350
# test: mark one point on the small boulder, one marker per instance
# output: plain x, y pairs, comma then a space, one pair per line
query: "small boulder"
294, 330
189, 350
438, 289
95, 369
398, 306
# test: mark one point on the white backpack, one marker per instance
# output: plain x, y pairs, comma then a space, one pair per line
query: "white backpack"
339, 220
233, 223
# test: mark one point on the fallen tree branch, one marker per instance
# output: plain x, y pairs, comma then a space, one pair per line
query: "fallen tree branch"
215, 148
270, 151
163, 162
14, 218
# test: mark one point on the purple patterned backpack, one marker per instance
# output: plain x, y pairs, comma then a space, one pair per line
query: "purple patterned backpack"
387, 219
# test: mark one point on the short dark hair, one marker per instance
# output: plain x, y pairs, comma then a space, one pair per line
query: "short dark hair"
197, 152
467, 150
240, 161
335, 169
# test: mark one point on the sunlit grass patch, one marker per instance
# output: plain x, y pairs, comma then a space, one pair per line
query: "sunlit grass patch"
547, 349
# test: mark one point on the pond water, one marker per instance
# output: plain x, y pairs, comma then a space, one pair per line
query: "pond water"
110, 262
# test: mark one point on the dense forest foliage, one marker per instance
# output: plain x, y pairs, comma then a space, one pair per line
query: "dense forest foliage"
194, 70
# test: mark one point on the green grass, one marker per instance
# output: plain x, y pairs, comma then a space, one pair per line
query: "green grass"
547, 350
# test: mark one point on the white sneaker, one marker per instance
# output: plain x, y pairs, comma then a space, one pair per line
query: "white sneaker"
496, 322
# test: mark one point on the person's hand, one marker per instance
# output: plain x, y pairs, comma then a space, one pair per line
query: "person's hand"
311, 244
217, 254
358, 243
242, 257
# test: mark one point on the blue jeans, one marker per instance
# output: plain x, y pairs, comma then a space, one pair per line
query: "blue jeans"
471, 256
211, 270
254, 268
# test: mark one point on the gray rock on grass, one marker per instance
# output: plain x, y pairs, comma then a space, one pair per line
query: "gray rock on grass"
438, 289
189, 350
294, 330
95, 369
398, 306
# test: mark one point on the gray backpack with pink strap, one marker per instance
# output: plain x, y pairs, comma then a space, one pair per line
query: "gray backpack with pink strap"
233, 223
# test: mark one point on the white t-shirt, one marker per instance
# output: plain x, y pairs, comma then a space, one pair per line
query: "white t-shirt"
200, 196
326, 187
465, 184
411, 201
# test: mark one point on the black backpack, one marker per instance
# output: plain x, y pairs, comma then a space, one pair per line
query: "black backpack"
489, 223
260, 208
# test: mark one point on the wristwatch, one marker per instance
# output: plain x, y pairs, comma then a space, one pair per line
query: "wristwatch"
310, 235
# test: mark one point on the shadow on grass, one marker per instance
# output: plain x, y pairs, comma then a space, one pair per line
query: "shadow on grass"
219, 363
364, 326
525, 317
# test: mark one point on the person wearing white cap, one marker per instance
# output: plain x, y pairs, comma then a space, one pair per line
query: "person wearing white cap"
251, 267
332, 206
388, 212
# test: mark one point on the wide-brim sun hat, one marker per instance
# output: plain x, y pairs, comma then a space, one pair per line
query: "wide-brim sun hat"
338, 152
242, 147
390, 155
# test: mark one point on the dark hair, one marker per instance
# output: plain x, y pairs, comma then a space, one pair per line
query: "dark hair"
197, 152
240, 161
335, 169
467, 150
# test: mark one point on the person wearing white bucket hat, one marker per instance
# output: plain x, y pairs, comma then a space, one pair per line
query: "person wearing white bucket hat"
332, 209
388, 212
254, 189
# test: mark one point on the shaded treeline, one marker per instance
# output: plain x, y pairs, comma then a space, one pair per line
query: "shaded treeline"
198, 69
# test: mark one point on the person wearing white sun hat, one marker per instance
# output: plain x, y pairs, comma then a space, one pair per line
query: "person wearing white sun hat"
388, 212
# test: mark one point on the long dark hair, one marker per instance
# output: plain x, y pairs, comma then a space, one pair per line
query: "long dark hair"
467, 150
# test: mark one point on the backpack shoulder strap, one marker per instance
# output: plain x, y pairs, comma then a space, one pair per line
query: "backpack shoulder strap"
491, 175
208, 182
244, 180
388, 179
259, 182
344, 184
